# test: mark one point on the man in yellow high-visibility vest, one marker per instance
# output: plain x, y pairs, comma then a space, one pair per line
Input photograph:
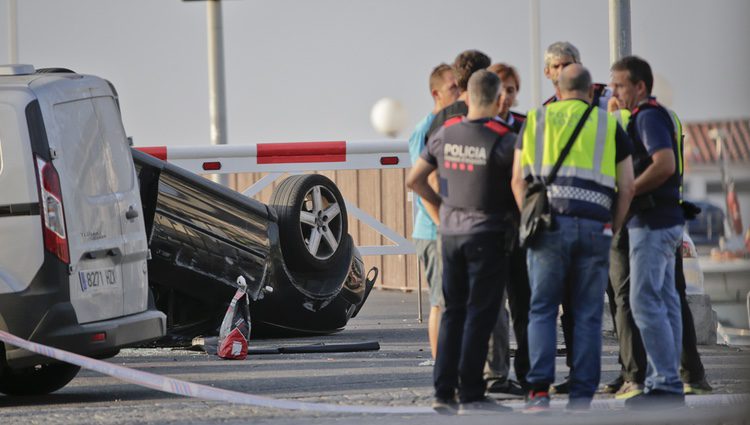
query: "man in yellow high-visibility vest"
588, 200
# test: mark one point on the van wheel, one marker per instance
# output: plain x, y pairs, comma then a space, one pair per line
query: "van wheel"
37, 380
312, 221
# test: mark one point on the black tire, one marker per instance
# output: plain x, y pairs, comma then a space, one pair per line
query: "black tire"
37, 380
311, 239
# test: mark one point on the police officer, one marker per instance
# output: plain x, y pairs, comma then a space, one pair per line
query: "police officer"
561, 54
589, 197
655, 231
632, 354
474, 167
517, 290
557, 56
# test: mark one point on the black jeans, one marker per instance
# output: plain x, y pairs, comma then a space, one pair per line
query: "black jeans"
632, 354
691, 366
475, 271
519, 295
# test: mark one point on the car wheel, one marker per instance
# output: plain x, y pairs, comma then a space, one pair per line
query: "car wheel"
312, 221
37, 380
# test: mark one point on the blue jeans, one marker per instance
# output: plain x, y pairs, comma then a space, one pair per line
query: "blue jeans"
474, 275
576, 253
656, 305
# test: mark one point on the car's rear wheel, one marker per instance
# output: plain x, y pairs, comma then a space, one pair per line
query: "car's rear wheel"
312, 221
37, 380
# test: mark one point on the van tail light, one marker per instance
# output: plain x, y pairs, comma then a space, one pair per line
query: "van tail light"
53, 214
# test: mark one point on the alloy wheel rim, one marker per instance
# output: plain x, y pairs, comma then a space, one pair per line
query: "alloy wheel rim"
320, 222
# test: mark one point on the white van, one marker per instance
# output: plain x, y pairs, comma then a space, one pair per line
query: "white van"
73, 247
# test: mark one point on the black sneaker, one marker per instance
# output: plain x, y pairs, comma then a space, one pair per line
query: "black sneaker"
445, 406
656, 400
613, 386
482, 406
507, 386
537, 402
561, 388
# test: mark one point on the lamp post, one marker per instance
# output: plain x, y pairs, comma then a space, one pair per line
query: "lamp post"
536, 53
619, 29
12, 31
388, 117
216, 87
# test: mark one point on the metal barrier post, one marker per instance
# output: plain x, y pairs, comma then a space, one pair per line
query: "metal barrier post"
411, 197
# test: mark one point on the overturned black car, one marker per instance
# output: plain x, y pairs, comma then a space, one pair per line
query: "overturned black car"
304, 274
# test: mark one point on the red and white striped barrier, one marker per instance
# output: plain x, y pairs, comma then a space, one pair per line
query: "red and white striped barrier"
277, 158
286, 156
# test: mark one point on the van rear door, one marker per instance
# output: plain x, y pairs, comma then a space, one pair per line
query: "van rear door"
86, 163
123, 183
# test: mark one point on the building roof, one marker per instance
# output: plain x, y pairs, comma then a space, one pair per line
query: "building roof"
700, 148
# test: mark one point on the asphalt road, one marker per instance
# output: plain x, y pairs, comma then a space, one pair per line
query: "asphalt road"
391, 376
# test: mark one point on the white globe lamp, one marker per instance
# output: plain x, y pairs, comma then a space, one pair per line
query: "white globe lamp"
388, 117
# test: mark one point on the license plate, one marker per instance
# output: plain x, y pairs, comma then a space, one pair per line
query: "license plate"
97, 279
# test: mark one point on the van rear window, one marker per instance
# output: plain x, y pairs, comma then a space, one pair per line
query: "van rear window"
97, 157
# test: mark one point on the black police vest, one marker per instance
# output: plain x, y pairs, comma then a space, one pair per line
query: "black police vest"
469, 177
642, 160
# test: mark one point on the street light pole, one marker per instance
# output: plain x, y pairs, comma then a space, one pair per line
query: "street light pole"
536, 53
12, 31
619, 30
216, 85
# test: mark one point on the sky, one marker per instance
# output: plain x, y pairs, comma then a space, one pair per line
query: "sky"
300, 70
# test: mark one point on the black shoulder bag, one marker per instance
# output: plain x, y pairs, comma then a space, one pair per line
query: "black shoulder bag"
535, 213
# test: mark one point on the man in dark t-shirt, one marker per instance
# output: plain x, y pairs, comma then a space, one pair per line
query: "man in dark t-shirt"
497, 369
465, 64
473, 156
655, 231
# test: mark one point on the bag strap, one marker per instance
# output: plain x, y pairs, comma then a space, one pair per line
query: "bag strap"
568, 146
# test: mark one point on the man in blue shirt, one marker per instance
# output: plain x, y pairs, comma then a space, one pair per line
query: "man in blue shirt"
655, 231
444, 92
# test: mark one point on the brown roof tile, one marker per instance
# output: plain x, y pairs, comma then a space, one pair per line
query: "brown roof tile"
700, 148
